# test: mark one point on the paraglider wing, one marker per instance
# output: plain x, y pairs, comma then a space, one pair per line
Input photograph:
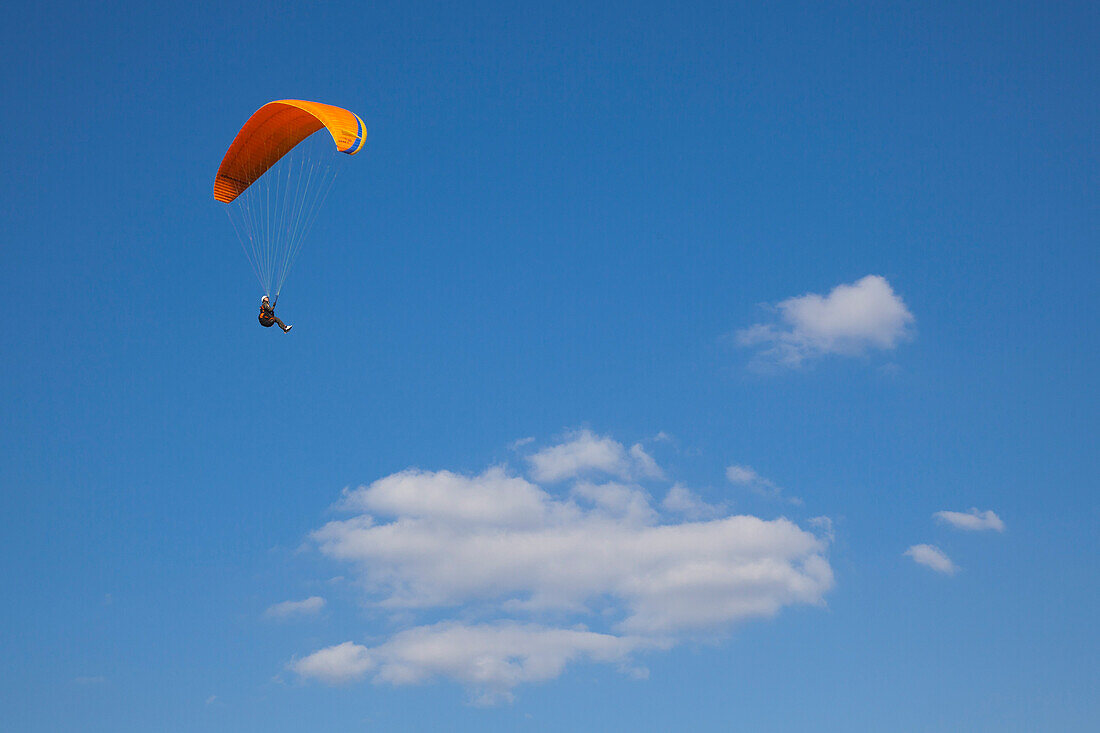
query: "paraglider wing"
272, 131
277, 174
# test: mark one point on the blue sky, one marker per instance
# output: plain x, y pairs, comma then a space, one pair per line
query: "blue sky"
732, 268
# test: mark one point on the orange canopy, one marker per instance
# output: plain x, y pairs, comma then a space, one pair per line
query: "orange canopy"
272, 131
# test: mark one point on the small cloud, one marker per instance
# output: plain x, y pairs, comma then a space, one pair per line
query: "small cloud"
336, 664
488, 659
741, 474
851, 320
644, 464
584, 453
683, 500
824, 525
211, 700
628, 503
292, 609
492, 497
746, 476
932, 557
663, 437
973, 520
90, 681
517, 444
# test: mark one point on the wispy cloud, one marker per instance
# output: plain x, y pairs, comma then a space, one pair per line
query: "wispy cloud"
293, 609
932, 557
973, 520
851, 320
537, 564
748, 477
741, 474
682, 500
93, 680
824, 525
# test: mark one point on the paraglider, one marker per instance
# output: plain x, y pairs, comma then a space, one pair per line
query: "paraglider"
268, 317
274, 178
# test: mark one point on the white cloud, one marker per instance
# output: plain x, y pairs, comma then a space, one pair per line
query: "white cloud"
629, 504
746, 476
741, 474
600, 553
493, 497
585, 453
488, 659
972, 520
683, 500
291, 609
933, 557
644, 464
336, 664
850, 320
667, 577
824, 525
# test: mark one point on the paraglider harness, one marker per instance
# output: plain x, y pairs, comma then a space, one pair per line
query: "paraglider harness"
267, 314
